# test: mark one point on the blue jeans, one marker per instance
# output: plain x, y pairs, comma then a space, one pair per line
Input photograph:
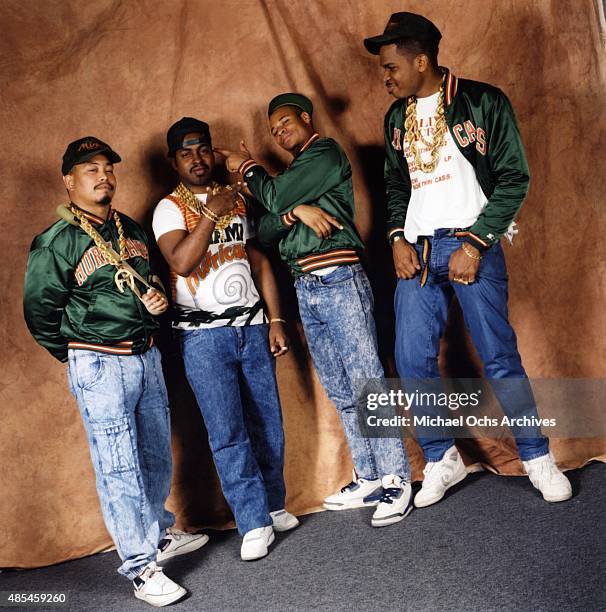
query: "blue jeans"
421, 316
124, 406
233, 375
336, 311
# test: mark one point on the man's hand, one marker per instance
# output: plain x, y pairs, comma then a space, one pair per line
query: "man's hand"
278, 339
405, 259
155, 302
225, 200
234, 159
462, 267
315, 218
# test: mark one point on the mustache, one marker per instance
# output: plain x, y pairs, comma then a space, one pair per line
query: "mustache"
204, 166
111, 187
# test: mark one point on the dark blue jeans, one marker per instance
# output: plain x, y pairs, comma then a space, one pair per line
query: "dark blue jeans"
421, 316
232, 374
336, 311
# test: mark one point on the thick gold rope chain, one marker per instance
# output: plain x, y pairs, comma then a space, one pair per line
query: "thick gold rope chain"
413, 133
190, 200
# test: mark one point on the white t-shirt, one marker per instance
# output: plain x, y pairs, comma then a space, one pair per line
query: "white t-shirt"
450, 196
220, 291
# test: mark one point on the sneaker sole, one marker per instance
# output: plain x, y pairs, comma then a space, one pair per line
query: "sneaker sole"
272, 537
159, 601
390, 520
433, 500
349, 506
186, 548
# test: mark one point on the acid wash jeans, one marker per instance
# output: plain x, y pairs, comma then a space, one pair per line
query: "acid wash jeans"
421, 316
336, 311
124, 406
233, 376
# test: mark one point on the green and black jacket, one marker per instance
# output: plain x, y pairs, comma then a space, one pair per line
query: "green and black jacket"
70, 298
319, 175
483, 126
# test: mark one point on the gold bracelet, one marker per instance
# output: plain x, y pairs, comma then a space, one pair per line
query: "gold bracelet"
276, 320
476, 257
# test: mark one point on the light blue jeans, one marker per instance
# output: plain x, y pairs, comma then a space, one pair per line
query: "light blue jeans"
124, 406
337, 315
233, 375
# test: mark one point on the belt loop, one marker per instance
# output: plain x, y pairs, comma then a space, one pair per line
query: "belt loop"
425, 259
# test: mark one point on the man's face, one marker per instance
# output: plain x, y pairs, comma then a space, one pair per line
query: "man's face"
92, 182
400, 72
290, 127
195, 161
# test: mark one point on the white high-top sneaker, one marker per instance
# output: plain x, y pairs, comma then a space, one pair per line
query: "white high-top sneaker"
353, 494
255, 544
394, 504
153, 587
439, 477
283, 520
177, 542
547, 477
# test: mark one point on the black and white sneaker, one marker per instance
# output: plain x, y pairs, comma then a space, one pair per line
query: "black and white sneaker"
394, 504
357, 494
177, 542
153, 587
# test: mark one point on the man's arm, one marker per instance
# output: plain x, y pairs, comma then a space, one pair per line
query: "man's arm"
45, 294
509, 168
183, 250
319, 169
265, 282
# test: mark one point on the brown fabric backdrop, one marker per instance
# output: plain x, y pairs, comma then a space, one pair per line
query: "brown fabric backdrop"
125, 70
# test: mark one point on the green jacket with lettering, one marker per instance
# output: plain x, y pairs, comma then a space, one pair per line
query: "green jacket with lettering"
70, 298
482, 123
319, 175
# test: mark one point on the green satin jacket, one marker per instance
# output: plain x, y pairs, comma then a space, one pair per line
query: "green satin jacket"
483, 125
70, 299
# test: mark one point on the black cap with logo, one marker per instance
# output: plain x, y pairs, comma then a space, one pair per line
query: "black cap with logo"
186, 125
84, 149
404, 25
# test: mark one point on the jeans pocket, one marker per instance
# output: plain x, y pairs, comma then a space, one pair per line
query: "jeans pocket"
114, 445
88, 368
340, 275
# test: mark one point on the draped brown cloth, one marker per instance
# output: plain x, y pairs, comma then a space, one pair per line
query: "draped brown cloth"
124, 70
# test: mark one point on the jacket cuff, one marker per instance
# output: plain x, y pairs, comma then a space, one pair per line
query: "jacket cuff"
288, 219
246, 165
394, 233
480, 243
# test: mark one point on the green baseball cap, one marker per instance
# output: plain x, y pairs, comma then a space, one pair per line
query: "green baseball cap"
291, 99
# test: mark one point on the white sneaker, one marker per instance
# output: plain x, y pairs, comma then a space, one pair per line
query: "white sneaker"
439, 477
394, 504
256, 543
548, 479
283, 520
153, 587
353, 494
177, 542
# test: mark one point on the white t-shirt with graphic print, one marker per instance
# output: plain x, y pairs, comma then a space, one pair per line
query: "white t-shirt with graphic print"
220, 291
448, 197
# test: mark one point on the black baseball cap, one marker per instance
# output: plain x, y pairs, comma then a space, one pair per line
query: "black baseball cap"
404, 25
291, 99
86, 148
186, 125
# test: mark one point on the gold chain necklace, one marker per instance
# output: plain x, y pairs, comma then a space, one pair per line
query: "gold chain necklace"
188, 197
124, 273
413, 133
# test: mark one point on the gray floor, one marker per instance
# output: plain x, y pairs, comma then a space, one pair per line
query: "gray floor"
491, 544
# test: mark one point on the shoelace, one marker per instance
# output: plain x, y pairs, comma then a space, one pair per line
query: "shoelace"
150, 571
351, 485
389, 495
